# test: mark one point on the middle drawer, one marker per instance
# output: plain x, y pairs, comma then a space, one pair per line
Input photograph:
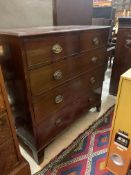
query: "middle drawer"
53, 101
48, 77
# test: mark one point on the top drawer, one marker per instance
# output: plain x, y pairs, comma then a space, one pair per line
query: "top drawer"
93, 39
50, 76
48, 49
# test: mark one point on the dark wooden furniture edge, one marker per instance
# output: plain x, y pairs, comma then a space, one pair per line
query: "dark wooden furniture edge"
124, 22
22, 169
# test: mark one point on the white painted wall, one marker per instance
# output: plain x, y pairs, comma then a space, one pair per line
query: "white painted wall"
25, 13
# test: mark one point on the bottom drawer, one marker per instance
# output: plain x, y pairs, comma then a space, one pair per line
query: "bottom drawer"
52, 126
8, 157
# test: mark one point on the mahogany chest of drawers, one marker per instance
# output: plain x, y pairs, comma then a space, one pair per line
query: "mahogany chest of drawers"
53, 74
11, 162
122, 60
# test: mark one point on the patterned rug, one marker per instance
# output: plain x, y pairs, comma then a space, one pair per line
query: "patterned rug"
87, 154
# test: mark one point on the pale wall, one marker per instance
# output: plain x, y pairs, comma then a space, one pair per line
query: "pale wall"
25, 13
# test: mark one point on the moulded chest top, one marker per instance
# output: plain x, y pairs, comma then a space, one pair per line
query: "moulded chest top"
125, 22
21, 32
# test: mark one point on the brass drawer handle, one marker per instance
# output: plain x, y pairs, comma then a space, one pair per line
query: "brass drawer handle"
90, 99
58, 122
128, 44
1, 50
92, 80
57, 49
94, 59
59, 99
95, 41
2, 107
58, 75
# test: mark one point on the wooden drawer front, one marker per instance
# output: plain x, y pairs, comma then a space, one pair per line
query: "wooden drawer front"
2, 104
5, 131
50, 49
60, 120
93, 39
63, 118
56, 99
48, 77
8, 158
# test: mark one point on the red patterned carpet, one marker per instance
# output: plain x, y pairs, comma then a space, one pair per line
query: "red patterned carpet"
87, 154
